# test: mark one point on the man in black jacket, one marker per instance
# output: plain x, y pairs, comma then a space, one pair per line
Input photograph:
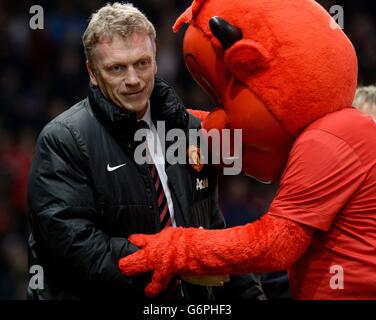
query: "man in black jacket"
87, 193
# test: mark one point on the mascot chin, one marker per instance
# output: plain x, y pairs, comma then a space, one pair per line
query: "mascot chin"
286, 75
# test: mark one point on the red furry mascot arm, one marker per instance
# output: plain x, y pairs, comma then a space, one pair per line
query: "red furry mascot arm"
270, 244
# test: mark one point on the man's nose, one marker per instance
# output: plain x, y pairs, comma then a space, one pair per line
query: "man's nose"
131, 77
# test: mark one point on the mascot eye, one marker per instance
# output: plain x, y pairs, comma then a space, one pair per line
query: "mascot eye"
194, 69
226, 33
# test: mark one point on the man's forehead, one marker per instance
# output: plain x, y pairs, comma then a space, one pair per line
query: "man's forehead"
118, 47
132, 41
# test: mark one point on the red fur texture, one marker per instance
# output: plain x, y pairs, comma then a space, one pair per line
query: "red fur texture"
270, 244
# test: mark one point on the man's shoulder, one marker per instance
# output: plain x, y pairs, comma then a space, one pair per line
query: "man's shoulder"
71, 120
74, 115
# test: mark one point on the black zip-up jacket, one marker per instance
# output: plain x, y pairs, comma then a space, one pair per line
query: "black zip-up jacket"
82, 213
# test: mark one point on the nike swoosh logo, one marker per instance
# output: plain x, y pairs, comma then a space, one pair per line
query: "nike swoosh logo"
110, 169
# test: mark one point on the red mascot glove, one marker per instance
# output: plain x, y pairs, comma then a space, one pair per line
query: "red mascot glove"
270, 244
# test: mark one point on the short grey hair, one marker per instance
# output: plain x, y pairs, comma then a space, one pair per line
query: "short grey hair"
115, 19
365, 100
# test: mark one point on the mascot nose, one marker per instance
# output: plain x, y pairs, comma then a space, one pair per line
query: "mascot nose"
226, 33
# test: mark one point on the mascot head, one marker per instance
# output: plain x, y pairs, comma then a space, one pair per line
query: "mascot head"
272, 67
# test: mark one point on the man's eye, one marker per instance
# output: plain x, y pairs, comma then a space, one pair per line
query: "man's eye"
143, 63
116, 69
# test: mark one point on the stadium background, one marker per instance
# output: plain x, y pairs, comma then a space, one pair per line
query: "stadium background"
42, 73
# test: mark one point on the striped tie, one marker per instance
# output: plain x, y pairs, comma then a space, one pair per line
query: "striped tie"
164, 213
173, 291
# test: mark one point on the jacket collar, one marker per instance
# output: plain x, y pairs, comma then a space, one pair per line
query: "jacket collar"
109, 113
166, 106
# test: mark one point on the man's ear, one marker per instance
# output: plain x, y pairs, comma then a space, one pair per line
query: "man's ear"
90, 70
156, 69
246, 57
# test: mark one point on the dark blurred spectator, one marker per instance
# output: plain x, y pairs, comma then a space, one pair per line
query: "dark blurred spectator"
13, 253
245, 200
13, 270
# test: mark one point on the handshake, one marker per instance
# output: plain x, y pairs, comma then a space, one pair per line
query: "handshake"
167, 254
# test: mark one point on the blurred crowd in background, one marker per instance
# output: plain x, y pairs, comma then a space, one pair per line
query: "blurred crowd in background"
42, 73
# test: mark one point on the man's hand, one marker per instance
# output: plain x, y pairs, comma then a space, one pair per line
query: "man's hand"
210, 281
158, 254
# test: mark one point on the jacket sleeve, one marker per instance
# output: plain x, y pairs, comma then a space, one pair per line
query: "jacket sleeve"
64, 217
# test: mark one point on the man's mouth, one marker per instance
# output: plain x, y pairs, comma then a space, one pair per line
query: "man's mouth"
133, 96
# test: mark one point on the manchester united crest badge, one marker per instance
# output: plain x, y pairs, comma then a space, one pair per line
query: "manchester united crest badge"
195, 158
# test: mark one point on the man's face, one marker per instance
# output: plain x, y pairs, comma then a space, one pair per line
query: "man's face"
124, 70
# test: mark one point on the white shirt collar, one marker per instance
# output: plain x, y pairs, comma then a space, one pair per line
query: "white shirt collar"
147, 115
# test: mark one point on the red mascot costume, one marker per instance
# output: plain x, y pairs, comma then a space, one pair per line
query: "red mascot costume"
282, 72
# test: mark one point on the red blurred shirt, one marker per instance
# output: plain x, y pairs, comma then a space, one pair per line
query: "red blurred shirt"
330, 184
